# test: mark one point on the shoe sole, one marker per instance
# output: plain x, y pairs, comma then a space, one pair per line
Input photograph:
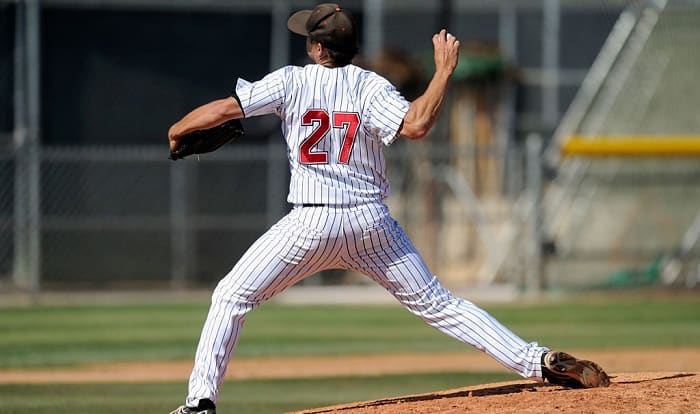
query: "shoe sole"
565, 367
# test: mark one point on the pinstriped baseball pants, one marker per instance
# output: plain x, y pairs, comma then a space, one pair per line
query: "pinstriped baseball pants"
363, 238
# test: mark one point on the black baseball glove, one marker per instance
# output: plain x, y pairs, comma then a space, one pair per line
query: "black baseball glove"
207, 140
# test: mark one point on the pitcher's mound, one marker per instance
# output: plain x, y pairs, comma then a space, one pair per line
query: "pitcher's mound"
651, 392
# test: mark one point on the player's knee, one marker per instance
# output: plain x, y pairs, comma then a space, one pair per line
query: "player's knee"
428, 304
237, 296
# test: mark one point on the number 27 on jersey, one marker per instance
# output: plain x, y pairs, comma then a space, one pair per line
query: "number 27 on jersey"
350, 121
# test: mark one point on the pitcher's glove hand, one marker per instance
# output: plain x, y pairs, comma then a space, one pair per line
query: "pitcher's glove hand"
207, 140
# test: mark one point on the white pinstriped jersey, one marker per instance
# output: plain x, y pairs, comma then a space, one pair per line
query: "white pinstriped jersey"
335, 122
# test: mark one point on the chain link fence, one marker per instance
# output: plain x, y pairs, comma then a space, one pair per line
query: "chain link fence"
117, 216
129, 217
76, 210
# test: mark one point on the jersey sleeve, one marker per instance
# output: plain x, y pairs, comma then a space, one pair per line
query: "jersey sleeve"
385, 111
262, 97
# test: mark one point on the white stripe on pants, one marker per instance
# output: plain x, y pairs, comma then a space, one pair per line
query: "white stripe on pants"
363, 238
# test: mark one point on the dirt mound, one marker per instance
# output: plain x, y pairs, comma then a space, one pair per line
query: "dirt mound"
661, 392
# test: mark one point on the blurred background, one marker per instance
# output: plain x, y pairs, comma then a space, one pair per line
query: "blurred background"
566, 156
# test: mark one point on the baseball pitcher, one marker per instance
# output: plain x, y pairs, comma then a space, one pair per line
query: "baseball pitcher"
337, 120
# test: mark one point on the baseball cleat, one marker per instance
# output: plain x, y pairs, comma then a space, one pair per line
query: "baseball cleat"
204, 407
189, 410
561, 368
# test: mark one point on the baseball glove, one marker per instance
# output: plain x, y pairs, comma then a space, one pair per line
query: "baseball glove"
207, 140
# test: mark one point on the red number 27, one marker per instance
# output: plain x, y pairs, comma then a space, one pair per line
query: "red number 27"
351, 120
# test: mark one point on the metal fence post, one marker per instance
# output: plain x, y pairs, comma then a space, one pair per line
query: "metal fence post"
27, 142
508, 31
279, 36
279, 57
534, 280
19, 268
550, 61
34, 141
373, 22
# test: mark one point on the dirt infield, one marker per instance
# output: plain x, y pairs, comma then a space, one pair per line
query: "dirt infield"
660, 392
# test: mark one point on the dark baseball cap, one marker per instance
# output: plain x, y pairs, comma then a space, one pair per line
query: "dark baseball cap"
327, 24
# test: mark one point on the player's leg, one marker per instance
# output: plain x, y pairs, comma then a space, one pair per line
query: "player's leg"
291, 250
381, 250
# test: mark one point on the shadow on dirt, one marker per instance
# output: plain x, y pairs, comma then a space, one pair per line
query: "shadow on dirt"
658, 379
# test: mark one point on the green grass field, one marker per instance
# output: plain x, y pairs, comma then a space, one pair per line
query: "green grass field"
247, 397
67, 335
